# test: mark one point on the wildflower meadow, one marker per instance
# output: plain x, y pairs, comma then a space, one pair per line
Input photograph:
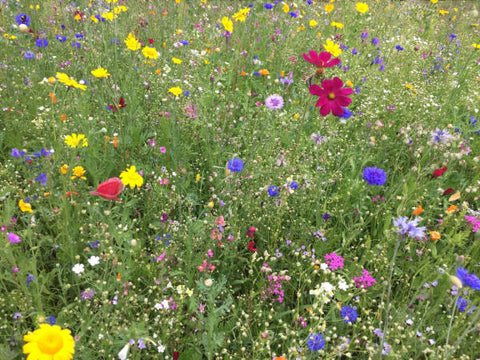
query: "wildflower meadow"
213, 179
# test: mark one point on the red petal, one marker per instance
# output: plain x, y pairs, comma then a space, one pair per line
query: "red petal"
448, 191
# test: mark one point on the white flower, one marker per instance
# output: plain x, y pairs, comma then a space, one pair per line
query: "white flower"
78, 268
157, 306
122, 355
315, 292
94, 260
161, 348
342, 285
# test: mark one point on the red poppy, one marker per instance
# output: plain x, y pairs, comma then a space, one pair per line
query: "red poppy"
448, 191
109, 189
439, 172
251, 247
321, 60
331, 96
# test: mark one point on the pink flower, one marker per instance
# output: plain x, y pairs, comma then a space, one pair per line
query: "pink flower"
331, 96
109, 189
321, 60
13, 238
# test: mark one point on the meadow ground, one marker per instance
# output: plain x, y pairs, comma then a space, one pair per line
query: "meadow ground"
205, 179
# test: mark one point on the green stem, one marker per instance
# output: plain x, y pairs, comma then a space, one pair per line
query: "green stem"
450, 327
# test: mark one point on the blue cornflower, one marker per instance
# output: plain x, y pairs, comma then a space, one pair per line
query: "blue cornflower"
374, 176
273, 191
364, 35
235, 165
41, 42
349, 314
94, 245
42, 179
462, 305
22, 19
293, 15
29, 55
470, 280
409, 228
30, 278
51, 320
375, 41
399, 48
76, 45
17, 154
346, 113
268, 6
61, 38
45, 153
293, 185
184, 42
315, 342
79, 36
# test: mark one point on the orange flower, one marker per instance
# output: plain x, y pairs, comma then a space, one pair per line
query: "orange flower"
63, 117
451, 209
434, 235
280, 358
52, 96
418, 210
264, 72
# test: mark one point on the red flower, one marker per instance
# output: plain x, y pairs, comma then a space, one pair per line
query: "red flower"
175, 355
251, 245
321, 60
251, 232
109, 189
448, 191
331, 97
439, 172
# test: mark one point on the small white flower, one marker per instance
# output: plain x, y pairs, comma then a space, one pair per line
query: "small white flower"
342, 285
122, 355
161, 348
78, 268
94, 260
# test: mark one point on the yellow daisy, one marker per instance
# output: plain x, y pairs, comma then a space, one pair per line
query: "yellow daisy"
131, 178
48, 343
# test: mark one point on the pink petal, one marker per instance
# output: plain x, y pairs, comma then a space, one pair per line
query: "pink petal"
316, 90
325, 109
337, 110
337, 82
343, 100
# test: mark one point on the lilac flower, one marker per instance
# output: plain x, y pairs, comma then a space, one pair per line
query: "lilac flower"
51, 320
287, 80
30, 278
42, 179
317, 138
440, 136
409, 228
17, 154
29, 55
274, 102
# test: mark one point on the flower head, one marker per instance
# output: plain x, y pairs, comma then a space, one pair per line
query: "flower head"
49, 342
131, 178
331, 96
349, 314
150, 52
235, 165
321, 60
440, 136
470, 280
227, 24
132, 43
25, 207
13, 238
109, 189
315, 342
100, 73
274, 102
361, 7
22, 19
74, 140
78, 172
175, 91
332, 48
374, 176
409, 228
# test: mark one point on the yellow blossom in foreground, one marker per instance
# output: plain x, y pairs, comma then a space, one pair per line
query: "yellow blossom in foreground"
64, 169
131, 178
25, 207
361, 7
175, 91
227, 24
312, 23
329, 7
132, 43
49, 342
150, 52
65, 79
74, 140
286, 8
100, 73
332, 48
78, 172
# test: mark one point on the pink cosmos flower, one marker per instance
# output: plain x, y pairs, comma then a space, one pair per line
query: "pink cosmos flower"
321, 60
331, 96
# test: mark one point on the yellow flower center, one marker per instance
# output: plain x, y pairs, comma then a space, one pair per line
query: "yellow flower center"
331, 96
50, 343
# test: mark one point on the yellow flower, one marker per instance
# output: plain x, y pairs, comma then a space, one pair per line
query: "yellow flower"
197, 178
433, 1
132, 43
74, 140
100, 73
108, 16
175, 91
476, 46
131, 178
434, 235
78, 172
443, 12
329, 7
150, 52
312, 23
176, 61
25, 207
49, 342
337, 24
65, 79
332, 48
119, 9
241, 15
286, 8
227, 24
94, 19
264, 72
361, 7
64, 169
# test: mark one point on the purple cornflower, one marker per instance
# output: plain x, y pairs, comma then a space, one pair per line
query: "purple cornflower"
235, 165
274, 102
462, 305
273, 191
374, 176
141, 344
13, 238
29, 55
87, 294
30, 278
315, 342
51, 320
22, 19
317, 138
440, 136
334, 261
470, 280
42, 179
41, 43
287, 80
409, 228
365, 280
349, 314
17, 154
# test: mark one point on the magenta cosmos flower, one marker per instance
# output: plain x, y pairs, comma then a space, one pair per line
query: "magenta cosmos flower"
331, 96
321, 61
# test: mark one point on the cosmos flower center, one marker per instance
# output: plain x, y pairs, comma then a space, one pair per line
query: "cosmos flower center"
50, 343
331, 96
